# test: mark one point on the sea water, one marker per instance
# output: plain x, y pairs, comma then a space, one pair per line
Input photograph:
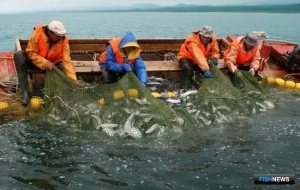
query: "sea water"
220, 156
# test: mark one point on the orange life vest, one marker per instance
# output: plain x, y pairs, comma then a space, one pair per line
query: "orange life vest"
44, 46
195, 38
115, 47
242, 57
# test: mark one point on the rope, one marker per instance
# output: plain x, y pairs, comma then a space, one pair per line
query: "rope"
170, 56
288, 76
12, 83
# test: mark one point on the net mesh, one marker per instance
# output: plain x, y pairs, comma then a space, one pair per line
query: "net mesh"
219, 101
124, 108
128, 109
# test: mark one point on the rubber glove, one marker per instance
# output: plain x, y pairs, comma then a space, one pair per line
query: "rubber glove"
214, 61
238, 73
207, 74
126, 67
252, 71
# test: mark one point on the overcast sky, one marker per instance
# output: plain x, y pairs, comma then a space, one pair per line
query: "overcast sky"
8, 6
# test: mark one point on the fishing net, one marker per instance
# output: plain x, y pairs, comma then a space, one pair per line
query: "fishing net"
125, 108
128, 109
219, 101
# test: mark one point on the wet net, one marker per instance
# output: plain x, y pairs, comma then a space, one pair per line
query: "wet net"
125, 108
218, 100
128, 109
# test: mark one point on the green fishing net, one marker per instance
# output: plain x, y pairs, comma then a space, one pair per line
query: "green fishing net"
128, 109
125, 108
218, 100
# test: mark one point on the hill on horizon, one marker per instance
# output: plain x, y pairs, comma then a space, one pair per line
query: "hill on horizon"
182, 7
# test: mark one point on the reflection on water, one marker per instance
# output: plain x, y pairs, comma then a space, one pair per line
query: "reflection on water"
221, 156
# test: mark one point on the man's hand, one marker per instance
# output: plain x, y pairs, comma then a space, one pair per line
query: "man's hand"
207, 74
252, 71
49, 65
126, 67
238, 73
214, 61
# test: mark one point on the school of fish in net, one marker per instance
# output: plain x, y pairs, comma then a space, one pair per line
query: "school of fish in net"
128, 109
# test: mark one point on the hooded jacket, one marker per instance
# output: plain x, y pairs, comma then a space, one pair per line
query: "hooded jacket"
114, 56
197, 52
236, 55
40, 53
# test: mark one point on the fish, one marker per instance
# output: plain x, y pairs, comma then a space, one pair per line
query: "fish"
221, 117
188, 93
173, 101
222, 107
263, 107
98, 120
161, 130
148, 118
99, 169
152, 128
270, 105
132, 131
159, 79
192, 111
154, 83
179, 120
205, 121
110, 132
254, 92
142, 101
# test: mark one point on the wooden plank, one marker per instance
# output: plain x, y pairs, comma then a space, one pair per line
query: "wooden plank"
162, 66
92, 66
87, 69
18, 45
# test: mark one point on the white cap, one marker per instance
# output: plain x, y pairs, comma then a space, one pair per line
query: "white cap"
57, 27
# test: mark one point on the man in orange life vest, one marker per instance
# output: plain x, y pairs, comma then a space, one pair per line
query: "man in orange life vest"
123, 55
242, 54
198, 49
47, 47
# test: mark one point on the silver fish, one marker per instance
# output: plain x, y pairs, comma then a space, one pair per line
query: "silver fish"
132, 131
110, 132
152, 128
173, 101
205, 121
188, 93
142, 101
108, 125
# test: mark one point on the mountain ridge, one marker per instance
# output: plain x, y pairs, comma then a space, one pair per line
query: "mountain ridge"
182, 7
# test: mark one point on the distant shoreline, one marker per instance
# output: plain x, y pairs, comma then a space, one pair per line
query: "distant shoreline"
291, 8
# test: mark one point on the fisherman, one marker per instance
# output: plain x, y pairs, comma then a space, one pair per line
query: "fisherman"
47, 47
199, 49
122, 55
242, 54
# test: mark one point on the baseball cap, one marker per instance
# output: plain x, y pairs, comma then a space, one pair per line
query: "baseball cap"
206, 31
57, 27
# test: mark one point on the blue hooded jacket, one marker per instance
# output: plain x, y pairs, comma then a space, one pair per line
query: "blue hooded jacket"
138, 66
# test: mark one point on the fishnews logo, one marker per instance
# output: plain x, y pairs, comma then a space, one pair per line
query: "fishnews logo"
274, 178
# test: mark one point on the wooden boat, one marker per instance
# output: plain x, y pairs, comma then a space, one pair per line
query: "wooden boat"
159, 56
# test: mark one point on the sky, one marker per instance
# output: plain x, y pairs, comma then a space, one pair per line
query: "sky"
8, 6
